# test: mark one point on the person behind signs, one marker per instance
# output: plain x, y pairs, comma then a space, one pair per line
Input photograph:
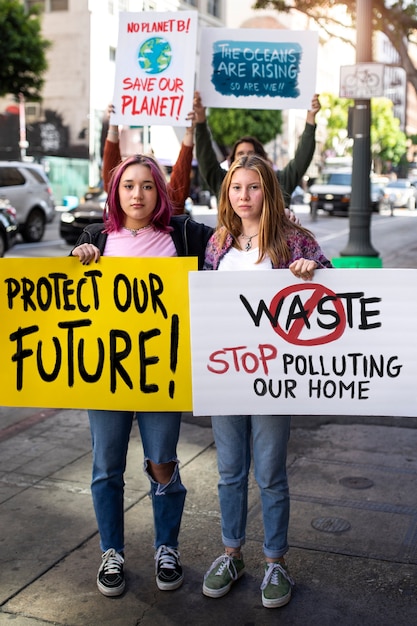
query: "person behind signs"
253, 233
138, 222
179, 183
289, 177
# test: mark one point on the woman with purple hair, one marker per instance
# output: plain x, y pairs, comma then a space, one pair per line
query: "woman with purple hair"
138, 222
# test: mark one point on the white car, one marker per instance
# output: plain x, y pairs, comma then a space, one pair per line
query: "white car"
401, 193
331, 191
27, 187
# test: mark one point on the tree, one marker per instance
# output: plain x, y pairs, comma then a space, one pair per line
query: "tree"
22, 51
397, 19
227, 125
335, 113
388, 142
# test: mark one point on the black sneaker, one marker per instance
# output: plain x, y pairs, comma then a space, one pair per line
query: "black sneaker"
110, 577
168, 569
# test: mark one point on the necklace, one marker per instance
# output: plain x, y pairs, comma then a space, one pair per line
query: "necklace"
134, 231
249, 240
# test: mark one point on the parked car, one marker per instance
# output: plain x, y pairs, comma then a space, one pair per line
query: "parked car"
73, 222
29, 191
8, 225
402, 193
299, 196
378, 184
332, 190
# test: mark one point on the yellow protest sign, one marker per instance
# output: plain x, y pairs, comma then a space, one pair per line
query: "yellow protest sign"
111, 335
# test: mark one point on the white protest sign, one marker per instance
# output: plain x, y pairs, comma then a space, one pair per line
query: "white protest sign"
153, 84
266, 343
258, 69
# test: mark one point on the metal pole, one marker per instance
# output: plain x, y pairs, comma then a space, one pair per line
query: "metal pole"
23, 144
359, 243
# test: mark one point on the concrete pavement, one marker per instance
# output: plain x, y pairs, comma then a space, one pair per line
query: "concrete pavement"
353, 529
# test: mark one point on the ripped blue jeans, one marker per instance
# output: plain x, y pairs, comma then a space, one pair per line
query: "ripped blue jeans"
110, 432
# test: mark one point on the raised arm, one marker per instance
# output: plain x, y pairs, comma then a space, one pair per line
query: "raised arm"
179, 184
289, 177
208, 165
111, 152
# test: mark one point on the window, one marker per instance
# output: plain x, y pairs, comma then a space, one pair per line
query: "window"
147, 5
193, 3
11, 177
48, 5
213, 7
58, 5
30, 3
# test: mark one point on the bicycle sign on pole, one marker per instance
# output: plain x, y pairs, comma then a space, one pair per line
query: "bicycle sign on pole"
362, 81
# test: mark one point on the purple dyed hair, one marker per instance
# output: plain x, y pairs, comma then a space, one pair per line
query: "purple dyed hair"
113, 213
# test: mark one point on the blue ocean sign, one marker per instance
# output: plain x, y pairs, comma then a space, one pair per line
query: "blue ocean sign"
248, 68
251, 68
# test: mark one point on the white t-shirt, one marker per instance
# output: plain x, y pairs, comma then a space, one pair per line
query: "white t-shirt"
236, 259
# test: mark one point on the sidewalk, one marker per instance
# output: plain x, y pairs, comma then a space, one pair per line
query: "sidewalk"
353, 529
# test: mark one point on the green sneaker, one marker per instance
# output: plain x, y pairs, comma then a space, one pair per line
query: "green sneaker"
221, 575
276, 585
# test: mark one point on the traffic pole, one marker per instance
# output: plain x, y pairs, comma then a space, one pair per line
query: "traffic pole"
359, 245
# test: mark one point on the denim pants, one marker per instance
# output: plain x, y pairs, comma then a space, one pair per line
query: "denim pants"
110, 432
269, 435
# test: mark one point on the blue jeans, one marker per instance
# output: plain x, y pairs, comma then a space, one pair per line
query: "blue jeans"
270, 435
110, 432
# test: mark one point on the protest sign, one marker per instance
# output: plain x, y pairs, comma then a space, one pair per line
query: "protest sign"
153, 84
258, 69
111, 335
267, 343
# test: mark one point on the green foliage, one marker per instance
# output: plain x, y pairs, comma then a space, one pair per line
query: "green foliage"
335, 111
388, 142
227, 125
22, 51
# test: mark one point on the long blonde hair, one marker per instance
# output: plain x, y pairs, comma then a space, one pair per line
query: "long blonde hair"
274, 225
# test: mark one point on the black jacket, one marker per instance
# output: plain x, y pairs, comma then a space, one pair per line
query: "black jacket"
190, 238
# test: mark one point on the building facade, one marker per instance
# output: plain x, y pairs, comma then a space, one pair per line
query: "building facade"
80, 78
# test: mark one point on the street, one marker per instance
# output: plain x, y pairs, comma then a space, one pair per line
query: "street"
393, 237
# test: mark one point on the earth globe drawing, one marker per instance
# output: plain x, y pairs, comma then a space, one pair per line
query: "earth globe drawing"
154, 55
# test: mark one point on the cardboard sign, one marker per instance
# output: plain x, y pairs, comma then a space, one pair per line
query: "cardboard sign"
266, 343
153, 84
111, 335
258, 69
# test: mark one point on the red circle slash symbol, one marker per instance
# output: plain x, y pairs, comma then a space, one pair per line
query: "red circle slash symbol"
292, 335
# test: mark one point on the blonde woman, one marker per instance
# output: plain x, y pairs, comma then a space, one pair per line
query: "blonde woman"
254, 233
